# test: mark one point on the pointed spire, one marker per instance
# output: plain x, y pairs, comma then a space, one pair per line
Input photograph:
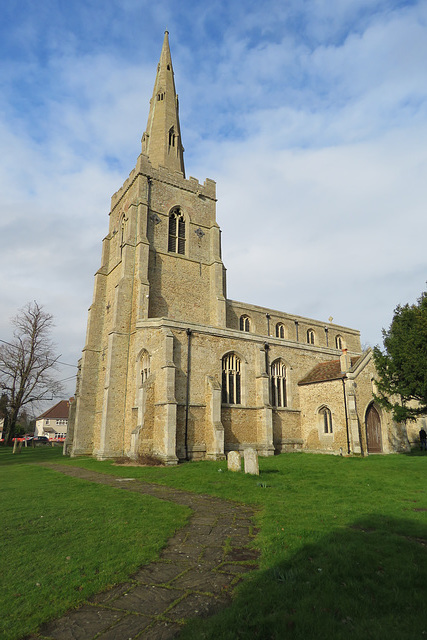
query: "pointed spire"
161, 141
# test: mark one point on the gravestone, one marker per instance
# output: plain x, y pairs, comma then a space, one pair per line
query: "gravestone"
251, 462
234, 461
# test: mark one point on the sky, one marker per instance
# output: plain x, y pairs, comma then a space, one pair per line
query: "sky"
311, 116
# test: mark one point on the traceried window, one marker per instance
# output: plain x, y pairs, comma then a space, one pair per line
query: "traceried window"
245, 323
231, 379
326, 420
310, 336
338, 342
280, 330
176, 241
278, 384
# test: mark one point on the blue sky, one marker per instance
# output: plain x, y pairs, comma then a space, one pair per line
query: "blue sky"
310, 115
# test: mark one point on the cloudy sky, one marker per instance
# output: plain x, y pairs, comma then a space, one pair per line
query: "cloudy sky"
311, 115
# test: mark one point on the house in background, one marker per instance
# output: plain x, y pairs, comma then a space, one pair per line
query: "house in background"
53, 423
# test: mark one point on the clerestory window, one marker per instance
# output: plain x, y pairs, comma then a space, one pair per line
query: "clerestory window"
280, 330
245, 323
310, 336
231, 379
176, 240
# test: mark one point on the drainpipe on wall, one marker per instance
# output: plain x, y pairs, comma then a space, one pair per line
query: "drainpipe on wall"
267, 315
346, 415
187, 395
296, 328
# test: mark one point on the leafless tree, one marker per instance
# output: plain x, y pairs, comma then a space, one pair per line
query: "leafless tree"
27, 363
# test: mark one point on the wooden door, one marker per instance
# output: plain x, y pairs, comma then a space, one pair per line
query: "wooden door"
373, 430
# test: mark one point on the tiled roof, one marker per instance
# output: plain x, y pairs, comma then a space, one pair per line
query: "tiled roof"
325, 371
60, 410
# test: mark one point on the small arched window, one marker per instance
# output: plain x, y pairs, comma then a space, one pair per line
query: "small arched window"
280, 330
278, 384
310, 336
245, 323
176, 240
123, 221
171, 137
145, 366
231, 379
326, 420
338, 342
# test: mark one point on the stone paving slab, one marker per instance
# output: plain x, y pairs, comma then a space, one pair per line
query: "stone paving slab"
194, 576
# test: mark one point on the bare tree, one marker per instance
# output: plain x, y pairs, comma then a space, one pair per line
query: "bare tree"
27, 363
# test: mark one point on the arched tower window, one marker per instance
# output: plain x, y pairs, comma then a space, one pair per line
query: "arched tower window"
245, 323
326, 419
310, 336
278, 384
231, 379
338, 342
176, 240
280, 330
123, 221
172, 137
145, 366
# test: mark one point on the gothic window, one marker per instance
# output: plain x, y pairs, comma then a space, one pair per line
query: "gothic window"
231, 379
280, 330
145, 366
171, 137
338, 342
310, 336
326, 420
245, 323
278, 384
176, 241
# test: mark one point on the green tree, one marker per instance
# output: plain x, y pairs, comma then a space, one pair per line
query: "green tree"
27, 364
402, 365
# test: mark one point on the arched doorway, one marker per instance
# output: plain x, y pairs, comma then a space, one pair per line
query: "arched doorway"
373, 430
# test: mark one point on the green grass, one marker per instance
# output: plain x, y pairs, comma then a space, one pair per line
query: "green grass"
64, 539
343, 544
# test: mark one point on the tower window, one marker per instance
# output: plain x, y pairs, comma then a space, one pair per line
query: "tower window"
176, 240
245, 323
171, 137
338, 342
231, 379
278, 384
145, 366
280, 330
310, 336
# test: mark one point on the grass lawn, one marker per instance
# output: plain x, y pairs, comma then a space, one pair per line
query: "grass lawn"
343, 541
64, 539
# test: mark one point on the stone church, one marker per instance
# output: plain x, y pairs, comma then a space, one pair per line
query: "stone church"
173, 368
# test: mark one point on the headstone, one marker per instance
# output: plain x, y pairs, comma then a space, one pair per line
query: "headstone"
234, 461
251, 462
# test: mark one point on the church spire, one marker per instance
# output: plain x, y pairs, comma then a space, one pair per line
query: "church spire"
161, 141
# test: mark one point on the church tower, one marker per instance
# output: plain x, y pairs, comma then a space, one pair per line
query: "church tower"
161, 274
174, 369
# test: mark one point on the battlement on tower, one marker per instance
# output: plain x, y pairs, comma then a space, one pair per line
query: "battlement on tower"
162, 174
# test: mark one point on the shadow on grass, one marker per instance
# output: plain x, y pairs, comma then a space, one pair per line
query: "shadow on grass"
365, 581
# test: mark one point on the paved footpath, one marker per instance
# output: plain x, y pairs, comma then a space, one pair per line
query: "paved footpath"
194, 576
